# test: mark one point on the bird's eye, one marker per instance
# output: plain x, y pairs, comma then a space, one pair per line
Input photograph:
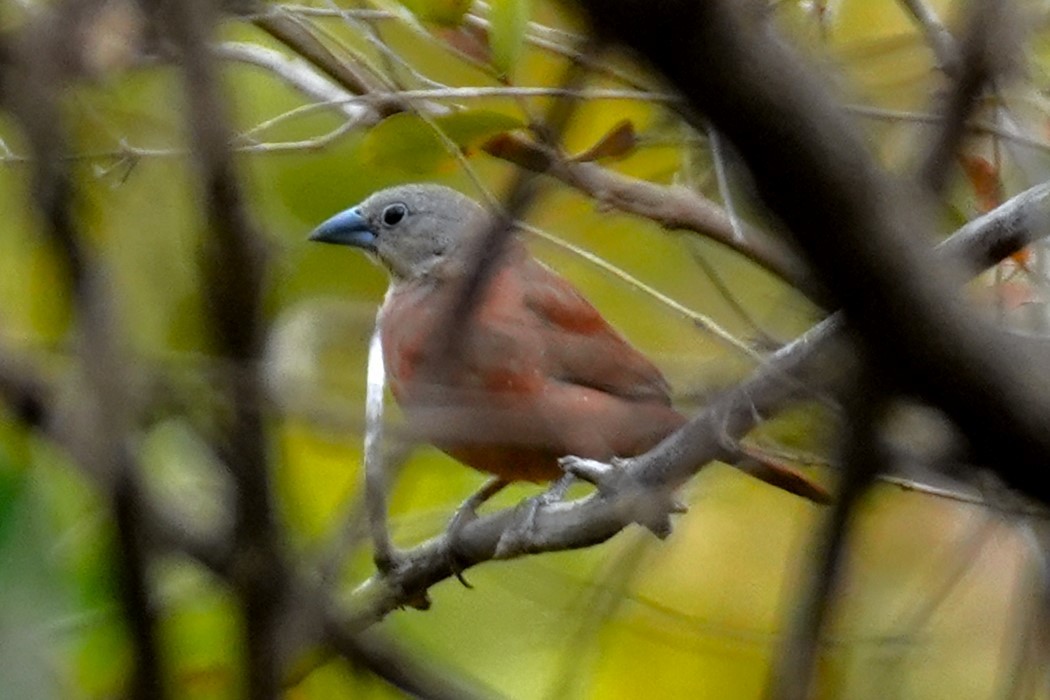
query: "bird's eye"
393, 214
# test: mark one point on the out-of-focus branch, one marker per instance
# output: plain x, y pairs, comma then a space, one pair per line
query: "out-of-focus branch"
299, 75
986, 52
24, 389
939, 38
296, 36
861, 460
40, 65
234, 272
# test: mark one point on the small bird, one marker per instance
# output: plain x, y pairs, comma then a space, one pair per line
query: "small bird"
534, 374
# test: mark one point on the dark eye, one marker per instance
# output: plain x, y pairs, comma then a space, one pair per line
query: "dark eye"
393, 214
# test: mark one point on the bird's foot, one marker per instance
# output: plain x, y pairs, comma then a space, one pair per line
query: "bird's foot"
608, 477
390, 563
652, 506
520, 531
464, 515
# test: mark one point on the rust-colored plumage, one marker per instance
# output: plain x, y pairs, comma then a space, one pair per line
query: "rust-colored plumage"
538, 374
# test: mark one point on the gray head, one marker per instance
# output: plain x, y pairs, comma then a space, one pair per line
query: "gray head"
410, 228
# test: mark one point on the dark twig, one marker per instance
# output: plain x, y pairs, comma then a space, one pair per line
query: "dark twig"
45, 60
981, 59
861, 460
134, 584
519, 196
24, 389
233, 268
398, 668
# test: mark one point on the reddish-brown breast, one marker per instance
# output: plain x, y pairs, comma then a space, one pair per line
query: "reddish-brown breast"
537, 374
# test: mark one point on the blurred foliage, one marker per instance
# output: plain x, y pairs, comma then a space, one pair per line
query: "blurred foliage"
923, 615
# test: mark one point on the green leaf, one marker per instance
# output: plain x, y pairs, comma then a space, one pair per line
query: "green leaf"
509, 19
407, 143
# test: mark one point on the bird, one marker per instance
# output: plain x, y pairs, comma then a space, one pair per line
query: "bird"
533, 374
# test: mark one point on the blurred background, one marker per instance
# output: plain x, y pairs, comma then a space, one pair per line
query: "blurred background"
941, 592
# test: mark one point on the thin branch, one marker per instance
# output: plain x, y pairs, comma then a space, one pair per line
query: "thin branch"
700, 320
981, 60
375, 464
938, 37
297, 74
975, 126
764, 339
671, 206
549, 39
563, 44
721, 160
293, 34
795, 666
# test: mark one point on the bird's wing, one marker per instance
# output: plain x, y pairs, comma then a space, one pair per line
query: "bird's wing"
580, 345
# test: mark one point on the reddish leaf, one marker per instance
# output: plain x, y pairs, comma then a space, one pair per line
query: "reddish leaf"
986, 181
620, 141
471, 41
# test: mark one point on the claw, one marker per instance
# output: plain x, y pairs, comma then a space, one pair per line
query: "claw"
653, 510
520, 530
464, 515
605, 475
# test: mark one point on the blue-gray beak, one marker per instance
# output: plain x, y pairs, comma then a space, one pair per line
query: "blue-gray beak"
346, 228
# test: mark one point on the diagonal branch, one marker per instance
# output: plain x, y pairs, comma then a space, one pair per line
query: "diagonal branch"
672, 206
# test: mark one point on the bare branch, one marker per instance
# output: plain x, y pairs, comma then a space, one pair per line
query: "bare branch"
980, 61
793, 671
32, 84
233, 268
672, 206
297, 74
294, 34
937, 35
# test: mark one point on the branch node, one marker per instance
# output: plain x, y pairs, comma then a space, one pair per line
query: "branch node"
648, 506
